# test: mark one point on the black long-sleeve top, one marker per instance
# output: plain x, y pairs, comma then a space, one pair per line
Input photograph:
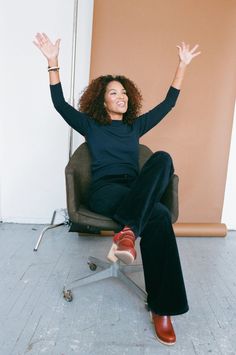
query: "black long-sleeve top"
114, 147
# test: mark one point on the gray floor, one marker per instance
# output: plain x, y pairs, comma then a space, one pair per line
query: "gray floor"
106, 318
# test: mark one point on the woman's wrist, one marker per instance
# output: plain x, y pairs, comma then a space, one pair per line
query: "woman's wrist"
182, 65
53, 62
179, 75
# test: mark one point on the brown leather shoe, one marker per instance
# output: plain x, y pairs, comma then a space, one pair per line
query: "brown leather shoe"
164, 329
125, 245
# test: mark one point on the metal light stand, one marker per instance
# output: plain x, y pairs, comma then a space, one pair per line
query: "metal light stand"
71, 101
51, 225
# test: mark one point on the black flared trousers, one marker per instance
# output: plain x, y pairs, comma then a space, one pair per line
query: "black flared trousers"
135, 202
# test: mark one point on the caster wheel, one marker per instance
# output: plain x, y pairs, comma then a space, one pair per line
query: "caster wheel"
92, 266
67, 294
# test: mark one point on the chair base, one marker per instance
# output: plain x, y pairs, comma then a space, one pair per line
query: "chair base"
116, 270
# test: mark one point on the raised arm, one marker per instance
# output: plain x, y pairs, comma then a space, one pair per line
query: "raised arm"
150, 119
76, 119
185, 57
51, 52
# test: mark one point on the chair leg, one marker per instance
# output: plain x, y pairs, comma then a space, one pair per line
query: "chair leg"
131, 284
97, 276
131, 268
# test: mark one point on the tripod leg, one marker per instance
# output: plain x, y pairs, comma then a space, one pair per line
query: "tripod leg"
44, 230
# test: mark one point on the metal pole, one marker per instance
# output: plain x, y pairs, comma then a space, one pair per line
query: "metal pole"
72, 76
71, 101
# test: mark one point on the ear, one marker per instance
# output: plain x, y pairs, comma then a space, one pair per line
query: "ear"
105, 104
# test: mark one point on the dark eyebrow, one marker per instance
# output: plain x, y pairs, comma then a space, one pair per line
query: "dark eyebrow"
116, 90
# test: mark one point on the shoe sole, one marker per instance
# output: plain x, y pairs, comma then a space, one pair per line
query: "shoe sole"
111, 254
124, 256
163, 342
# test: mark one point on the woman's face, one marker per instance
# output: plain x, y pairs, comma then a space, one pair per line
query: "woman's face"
115, 100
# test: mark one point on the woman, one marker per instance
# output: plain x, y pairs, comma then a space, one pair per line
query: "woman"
108, 118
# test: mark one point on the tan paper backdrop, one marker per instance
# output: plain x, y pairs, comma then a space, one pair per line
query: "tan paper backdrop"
138, 38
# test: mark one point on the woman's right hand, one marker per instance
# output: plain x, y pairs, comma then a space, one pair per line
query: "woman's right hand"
49, 50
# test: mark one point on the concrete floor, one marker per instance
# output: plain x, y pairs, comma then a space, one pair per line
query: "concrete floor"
106, 318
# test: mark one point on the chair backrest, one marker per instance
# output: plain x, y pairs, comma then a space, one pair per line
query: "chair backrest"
80, 163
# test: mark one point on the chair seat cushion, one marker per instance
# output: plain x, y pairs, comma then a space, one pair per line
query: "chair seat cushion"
87, 221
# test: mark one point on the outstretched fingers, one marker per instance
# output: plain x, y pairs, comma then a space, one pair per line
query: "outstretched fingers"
42, 39
44, 44
57, 43
194, 48
45, 36
38, 40
186, 54
195, 54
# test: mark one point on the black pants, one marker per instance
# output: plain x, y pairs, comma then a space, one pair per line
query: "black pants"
136, 202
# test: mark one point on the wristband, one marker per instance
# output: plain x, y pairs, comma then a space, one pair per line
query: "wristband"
53, 68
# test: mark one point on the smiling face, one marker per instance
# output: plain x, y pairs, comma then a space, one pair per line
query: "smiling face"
115, 100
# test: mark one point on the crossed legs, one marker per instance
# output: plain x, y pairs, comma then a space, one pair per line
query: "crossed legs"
135, 203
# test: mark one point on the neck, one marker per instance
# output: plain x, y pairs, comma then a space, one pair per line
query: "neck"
116, 116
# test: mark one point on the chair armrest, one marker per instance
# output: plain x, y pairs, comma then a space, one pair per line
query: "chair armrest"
170, 198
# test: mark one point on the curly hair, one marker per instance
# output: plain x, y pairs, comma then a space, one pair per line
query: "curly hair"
92, 99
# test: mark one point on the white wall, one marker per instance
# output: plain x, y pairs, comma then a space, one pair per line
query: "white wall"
34, 142
229, 214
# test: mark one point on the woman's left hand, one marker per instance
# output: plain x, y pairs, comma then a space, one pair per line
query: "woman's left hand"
185, 54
